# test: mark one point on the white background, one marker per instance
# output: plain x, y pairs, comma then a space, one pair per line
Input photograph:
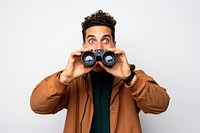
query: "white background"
159, 36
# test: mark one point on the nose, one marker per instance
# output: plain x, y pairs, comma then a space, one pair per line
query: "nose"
100, 45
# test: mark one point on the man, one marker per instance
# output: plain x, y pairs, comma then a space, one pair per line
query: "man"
99, 99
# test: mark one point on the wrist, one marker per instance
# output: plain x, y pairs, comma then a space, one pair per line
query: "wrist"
131, 76
63, 79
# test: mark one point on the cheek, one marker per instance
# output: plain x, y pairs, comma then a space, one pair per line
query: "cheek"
84, 46
110, 46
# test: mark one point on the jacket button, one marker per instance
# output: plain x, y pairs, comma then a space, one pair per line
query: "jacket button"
112, 109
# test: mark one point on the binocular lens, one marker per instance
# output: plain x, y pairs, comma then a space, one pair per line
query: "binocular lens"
88, 58
109, 59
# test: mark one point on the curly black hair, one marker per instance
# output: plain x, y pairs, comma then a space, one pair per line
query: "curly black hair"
99, 18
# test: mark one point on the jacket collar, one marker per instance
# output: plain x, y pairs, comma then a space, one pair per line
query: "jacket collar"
116, 86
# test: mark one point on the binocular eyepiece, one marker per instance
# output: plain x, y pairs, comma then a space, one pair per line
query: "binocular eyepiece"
107, 57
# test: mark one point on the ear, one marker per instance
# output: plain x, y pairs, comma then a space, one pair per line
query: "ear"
83, 44
114, 44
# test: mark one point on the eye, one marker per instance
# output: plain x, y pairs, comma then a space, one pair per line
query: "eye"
106, 40
91, 41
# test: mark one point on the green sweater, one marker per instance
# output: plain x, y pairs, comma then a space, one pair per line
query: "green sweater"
101, 88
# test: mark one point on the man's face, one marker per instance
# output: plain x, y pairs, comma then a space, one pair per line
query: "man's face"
98, 37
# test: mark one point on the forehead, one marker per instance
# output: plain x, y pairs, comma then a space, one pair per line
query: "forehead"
98, 31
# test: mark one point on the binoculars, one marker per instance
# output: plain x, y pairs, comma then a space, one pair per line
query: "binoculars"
107, 57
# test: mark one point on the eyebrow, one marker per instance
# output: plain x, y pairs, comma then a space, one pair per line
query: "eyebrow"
90, 36
107, 35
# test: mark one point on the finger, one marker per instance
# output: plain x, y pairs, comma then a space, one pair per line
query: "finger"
116, 50
111, 49
79, 52
104, 67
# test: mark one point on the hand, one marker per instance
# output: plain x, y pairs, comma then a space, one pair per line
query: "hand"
75, 67
121, 68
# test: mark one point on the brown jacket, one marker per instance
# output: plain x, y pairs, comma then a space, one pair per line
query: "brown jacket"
50, 96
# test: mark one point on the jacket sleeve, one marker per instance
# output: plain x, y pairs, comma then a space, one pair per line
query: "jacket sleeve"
149, 96
48, 96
